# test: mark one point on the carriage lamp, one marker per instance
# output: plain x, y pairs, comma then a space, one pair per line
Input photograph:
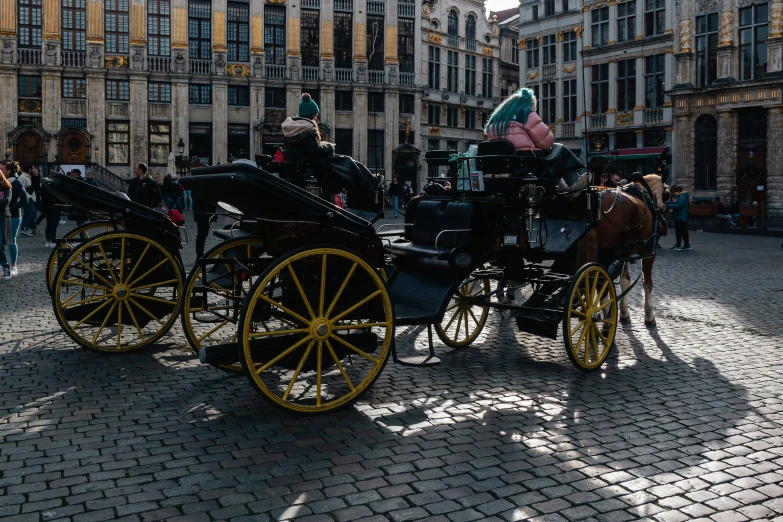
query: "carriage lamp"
751, 148
181, 147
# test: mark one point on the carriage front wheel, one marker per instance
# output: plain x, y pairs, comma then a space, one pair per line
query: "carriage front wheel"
464, 319
117, 292
590, 317
316, 329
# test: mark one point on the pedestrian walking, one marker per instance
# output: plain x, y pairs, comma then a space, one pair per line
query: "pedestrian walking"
395, 191
144, 190
32, 183
187, 197
679, 206
50, 210
11, 171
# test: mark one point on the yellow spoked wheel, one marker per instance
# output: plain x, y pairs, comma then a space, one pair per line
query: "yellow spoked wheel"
590, 317
117, 292
463, 321
316, 330
71, 239
211, 307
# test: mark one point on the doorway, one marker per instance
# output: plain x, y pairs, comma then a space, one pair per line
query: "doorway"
200, 138
29, 148
74, 148
751, 154
405, 170
238, 141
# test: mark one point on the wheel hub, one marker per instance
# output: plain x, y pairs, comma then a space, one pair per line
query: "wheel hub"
121, 292
596, 317
321, 329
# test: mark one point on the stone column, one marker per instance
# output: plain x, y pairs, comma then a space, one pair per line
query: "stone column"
257, 115
294, 43
8, 98
360, 124
95, 35
8, 18
219, 120
683, 167
328, 108
684, 56
138, 39
50, 11
8, 80
587, 33
727, 150
96, 113
727, 50
327, 42
137, 111
774, 162
257, 40
392, 129
219, 47
51, 113
613, 26
612, 110
775, 40
391, 60
179, 41
180, 111
360, 50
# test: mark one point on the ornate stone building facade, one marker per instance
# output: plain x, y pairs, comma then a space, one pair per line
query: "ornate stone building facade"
600, 71
116, 82
728, 100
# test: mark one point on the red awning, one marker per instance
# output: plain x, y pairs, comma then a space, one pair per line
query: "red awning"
641, 151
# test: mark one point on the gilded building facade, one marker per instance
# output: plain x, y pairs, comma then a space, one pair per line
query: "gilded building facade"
600, 71
728, 100
116, 82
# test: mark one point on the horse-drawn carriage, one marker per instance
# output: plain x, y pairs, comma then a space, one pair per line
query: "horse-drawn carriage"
304, 297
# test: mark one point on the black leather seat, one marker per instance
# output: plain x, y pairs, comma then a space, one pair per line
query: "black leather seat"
230, 233
427, 235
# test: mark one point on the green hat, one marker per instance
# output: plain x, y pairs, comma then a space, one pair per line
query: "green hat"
308, 107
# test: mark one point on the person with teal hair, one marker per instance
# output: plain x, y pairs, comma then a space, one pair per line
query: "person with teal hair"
301, 135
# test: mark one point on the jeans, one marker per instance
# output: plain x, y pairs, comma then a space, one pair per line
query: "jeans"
395, 204
52, 221
188, 199
13, 249
681, 233
167, 201
727, 220
178, 202
30, 212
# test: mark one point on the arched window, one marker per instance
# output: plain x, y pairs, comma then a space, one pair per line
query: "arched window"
453, 23
470, 27
706, 153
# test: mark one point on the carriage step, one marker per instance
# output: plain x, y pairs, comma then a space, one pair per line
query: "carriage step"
538, 323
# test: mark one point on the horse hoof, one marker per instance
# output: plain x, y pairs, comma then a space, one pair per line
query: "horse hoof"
650, 324
625, 320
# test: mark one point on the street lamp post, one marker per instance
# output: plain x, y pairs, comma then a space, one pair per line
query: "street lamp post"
181, 161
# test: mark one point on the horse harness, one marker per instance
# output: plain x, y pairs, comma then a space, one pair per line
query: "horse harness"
645, 195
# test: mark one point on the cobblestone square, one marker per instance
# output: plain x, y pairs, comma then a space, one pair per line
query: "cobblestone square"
684, 422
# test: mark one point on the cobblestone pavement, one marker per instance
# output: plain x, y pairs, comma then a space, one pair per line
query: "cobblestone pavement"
684, 422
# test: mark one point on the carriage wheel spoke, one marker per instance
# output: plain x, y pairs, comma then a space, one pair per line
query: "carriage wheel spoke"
467, 331
600, 335
576, 328
595, 284
83, 301
357, 305
213, 330
298, 370
450, 308
602, 292
358, 326
342, 288
276, 332
323, 287
122, 258
162, 283
148, 272
96, 274
138, 262
355, 349
448, 325
283, 354
109, 266
283, 308
136, 303
459, 323
301, 290
595, 346
339, 366
156, 299
84, 319
135, 322
319, 367
604, 305
474, 316
579, 342
84, 285
103, 324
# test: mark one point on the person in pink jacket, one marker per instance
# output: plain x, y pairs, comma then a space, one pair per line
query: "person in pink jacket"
517, 121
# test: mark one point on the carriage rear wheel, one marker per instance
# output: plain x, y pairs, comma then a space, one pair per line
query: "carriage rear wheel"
463, 321
590, 317
71, 239
316, 329
117, 292
211, 308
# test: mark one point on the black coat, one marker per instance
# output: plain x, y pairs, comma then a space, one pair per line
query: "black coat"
145, 192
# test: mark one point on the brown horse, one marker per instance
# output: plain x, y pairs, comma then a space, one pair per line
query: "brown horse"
626, 227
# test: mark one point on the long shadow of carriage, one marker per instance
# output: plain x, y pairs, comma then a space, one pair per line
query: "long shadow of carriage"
304, 296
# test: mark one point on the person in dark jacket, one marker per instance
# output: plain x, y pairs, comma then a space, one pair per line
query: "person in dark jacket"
5, 219
143, 189
11, 171
50, 210
91, 180
680, 210
301, 136
395, 191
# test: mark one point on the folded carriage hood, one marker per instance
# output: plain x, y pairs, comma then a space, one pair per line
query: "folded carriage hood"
260, 195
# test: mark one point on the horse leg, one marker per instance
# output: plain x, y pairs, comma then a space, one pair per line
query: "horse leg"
625, 282
649, 313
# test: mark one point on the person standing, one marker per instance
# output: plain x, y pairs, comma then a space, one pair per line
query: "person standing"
91, 180
143, 189
50, 210
11, 171
680, 210
187, 196
5, 220
30, 212
395, 190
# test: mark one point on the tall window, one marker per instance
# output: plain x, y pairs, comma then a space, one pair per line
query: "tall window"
452, 145
470, 74
549, 49
754, 29
654, 80
452, 118
343, 139
569, 46
159, 27
116, 20
74, 25
118, 142
343, 40
407, 103
514, 51
470, 27
706, 49
566, 7
343, 100
626, 21
548, 106
74, 88
626, 85
160, 143
406, 46
200, 94
375, 32
706, 153
200, 29
486, 78
453, 23
159, 92
29, 86
30, 23
238, 31
654, 17
599, 26
434, 67
311, 56
569, 100
274, 34
600, 88
433, 114
274, 97
117, 90
549, 7
532, 54
451, 70
470, 119
239, 95
375, 149
376, 102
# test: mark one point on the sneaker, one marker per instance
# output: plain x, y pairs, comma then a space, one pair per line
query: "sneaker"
36, 231
14, 271
685, 248
27, 233
676, 247
7, 272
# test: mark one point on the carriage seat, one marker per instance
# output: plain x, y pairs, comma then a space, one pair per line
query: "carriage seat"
230, 233
439, 227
